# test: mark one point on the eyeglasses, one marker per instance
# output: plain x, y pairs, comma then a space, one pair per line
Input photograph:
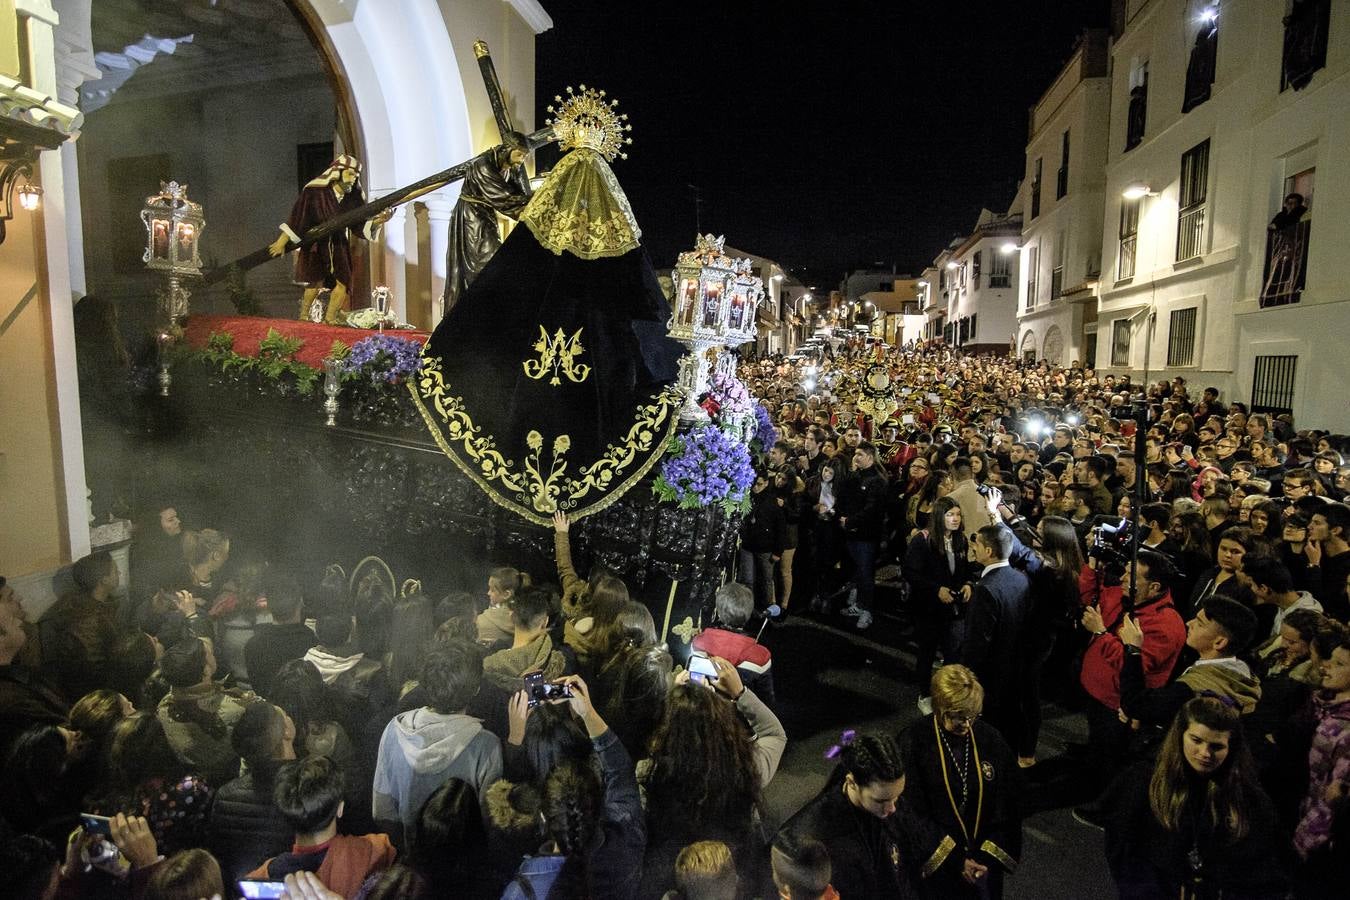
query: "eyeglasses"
957, 718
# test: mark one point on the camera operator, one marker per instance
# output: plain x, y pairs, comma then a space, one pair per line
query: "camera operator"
1141, 591
1222, 629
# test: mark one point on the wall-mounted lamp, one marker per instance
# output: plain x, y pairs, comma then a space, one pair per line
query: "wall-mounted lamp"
1137, 189
1209, 14
1008, 248
951, 265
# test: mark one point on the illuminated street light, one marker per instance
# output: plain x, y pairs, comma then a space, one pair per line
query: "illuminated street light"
1209, 14
952, 264
1008, 247
1137, 189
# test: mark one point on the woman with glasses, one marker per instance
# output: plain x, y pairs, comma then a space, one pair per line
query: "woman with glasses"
964, 781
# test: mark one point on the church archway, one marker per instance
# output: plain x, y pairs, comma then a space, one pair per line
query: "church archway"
1028, 348
405, 134
1053, 349
394, 98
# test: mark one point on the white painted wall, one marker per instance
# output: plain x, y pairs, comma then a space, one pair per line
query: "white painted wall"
1258, 135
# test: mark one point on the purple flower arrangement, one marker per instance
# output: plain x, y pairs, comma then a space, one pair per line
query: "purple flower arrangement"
705, 467
765, 434
383, 358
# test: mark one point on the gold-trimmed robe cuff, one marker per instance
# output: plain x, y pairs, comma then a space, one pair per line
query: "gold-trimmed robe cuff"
999, 854
944, 850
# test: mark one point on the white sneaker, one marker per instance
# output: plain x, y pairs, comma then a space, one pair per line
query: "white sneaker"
864, 620
926, 705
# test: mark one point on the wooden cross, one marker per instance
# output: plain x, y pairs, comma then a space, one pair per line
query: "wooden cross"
431, 183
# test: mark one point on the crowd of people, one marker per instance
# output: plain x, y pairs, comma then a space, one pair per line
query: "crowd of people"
223, 727
1173, 567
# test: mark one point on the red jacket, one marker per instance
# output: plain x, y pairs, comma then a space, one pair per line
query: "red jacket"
738, 649
1164, 636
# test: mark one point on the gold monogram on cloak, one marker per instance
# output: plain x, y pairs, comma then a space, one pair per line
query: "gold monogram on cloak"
557, 356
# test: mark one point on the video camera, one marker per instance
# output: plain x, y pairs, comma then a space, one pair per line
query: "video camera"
1112, 540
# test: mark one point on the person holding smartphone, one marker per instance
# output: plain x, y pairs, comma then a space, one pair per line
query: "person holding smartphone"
708, 773
593, 829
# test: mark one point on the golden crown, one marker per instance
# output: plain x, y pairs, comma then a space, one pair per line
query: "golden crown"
587, 119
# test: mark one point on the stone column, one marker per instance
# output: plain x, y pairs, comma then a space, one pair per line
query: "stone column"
440, 206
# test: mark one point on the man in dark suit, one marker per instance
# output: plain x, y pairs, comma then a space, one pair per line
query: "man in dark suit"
994, 625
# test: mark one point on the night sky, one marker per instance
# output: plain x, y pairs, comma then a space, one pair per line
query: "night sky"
833, 136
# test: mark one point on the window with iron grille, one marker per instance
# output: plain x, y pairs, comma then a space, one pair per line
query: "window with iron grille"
1129, 238
1120, 342
1181, 337
1036, 188
1000, 270
1062, 176
1191, 202
1287, 238
1273, 384
1033, 264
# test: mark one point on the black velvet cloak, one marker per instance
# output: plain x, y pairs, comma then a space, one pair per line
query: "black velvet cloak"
548, 382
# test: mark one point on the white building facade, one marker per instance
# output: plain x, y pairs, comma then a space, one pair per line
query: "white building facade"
1194, 282
978, 284
1064, 182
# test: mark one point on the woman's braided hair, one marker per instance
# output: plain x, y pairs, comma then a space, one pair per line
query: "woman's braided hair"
873, 759
571, 809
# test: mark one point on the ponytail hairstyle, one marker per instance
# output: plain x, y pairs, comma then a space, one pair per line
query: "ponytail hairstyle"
872, 759
93, 717
571, 809
509, 581
207, 545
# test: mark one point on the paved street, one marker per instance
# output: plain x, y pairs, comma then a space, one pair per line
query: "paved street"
830, 678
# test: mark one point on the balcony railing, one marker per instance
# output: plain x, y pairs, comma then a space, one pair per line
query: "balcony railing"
1125, 265
1000, 281
1286, 265
1190, 232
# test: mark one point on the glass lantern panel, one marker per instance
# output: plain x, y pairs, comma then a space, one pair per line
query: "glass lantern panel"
159, 238
688, 301
187, 241
736, 318
712, 304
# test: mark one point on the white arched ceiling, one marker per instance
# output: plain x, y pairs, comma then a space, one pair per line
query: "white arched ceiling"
402, 73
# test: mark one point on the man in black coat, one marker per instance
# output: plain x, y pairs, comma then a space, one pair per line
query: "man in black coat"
994, 629
861, 508
763, 538
287, 638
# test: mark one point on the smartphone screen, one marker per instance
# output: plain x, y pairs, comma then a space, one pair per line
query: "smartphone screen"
534, 682
96, 824
262, 890
701, 669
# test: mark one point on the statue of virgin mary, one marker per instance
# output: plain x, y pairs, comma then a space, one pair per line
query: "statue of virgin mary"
550, 382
